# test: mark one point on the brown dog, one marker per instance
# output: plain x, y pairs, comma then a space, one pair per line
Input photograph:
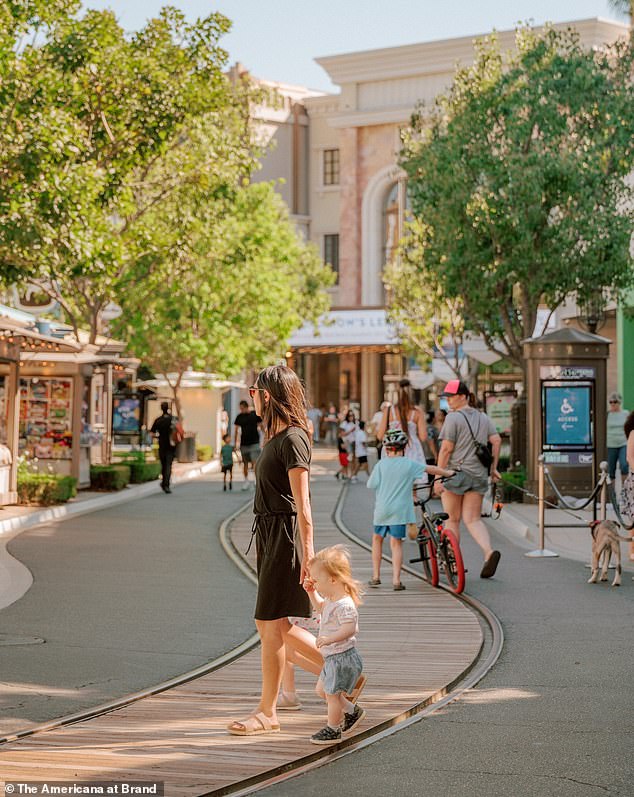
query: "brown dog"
605, 542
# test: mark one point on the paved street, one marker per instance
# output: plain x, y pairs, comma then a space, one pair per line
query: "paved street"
125, 598
554, 718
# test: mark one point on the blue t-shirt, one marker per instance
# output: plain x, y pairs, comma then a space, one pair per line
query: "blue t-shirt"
393, 477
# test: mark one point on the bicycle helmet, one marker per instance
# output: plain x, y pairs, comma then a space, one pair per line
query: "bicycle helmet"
395, 438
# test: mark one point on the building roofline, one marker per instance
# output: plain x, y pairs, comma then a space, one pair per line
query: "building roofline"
440, 55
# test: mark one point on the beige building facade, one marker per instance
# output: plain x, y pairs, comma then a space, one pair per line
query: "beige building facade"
356, 200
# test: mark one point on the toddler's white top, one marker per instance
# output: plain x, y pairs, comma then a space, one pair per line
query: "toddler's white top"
334, 614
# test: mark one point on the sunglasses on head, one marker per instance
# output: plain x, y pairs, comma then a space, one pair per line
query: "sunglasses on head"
253, 390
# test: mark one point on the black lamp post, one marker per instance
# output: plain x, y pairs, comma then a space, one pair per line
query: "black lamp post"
592, 312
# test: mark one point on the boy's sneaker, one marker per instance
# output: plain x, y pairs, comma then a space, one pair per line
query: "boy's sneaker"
326, 735
351, 720
354, 480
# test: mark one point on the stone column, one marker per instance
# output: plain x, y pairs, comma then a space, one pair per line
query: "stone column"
349, 232
370, 398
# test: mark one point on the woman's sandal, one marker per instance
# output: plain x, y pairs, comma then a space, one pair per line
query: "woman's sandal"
285, 703
253, 726
358, 688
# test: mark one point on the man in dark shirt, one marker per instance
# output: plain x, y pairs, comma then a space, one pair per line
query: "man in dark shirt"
162, 428
246, 437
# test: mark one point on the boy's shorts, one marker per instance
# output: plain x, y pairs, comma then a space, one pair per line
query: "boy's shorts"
396, 530
227, 469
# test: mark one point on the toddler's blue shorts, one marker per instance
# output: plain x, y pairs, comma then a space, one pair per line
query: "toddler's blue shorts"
395, 530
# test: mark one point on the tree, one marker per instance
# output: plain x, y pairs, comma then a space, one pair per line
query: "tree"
427, 319
625, 7
244, 280
517, 176
97, 129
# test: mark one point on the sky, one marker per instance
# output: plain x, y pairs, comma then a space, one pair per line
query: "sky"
279, 39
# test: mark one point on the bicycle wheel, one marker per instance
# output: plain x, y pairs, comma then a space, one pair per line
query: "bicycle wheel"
452, 558
428, 556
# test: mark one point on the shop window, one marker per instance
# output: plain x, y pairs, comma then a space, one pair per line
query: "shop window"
46, 418
331, 167
331, 252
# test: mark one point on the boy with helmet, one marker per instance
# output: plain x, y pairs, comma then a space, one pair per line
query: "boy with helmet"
392, 478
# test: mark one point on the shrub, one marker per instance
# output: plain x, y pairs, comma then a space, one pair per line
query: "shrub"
510, 478
45, 489
144, 471
204, 453
109, 477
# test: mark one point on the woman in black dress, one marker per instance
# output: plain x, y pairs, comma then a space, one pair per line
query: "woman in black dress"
283, 531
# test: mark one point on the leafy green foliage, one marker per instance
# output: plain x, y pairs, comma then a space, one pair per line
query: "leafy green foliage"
45, 489
242, 281
98, 128
109, 477
517, 182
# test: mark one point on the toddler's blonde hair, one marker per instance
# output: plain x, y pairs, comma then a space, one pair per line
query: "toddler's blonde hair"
336, 562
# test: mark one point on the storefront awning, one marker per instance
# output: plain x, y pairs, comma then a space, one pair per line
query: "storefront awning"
347, 330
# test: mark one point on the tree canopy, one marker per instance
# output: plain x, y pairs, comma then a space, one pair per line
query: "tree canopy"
517, 180
125, 163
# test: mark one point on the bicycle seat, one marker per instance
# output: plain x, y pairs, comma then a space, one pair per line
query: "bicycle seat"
439, 516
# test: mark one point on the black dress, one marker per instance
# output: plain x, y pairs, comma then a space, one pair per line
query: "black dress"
275, 527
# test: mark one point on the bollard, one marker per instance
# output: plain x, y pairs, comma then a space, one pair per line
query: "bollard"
603, 467
541, 552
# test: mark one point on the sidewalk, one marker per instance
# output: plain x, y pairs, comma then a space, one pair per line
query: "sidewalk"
519, 522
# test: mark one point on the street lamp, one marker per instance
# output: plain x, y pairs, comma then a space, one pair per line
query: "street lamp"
592, 312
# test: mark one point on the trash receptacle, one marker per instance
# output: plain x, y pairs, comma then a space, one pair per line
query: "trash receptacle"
186, 449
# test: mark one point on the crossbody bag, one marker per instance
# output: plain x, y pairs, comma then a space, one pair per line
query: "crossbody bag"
482, 451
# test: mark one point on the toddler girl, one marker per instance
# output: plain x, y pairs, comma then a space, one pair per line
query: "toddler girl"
336, 595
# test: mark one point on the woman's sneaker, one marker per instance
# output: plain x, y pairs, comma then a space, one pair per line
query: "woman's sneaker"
351, 720
326, 735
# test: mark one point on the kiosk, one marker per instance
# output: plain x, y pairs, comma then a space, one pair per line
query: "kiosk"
566, 394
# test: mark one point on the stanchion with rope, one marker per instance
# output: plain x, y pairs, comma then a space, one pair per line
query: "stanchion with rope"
542, 552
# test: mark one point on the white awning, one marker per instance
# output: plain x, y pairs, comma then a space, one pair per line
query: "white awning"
347, 328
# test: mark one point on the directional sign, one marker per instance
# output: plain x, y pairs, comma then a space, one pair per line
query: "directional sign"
567, 411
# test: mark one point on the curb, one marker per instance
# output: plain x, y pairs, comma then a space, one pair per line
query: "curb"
102, 502
16, 579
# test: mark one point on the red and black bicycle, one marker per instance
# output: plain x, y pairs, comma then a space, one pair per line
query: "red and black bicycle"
439, 548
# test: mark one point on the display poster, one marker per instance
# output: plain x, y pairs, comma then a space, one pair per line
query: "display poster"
498, 407
46, 418
567, 412
126, 415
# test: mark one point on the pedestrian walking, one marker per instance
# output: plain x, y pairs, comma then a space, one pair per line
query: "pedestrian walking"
315, 415
344, 460
409, 419
226, 462
392, 478
247, 439
374, 426
335, 594
430, 446
163, 428
283, 533
627, 491
332, 425
360, 451
465, 432
616, 439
